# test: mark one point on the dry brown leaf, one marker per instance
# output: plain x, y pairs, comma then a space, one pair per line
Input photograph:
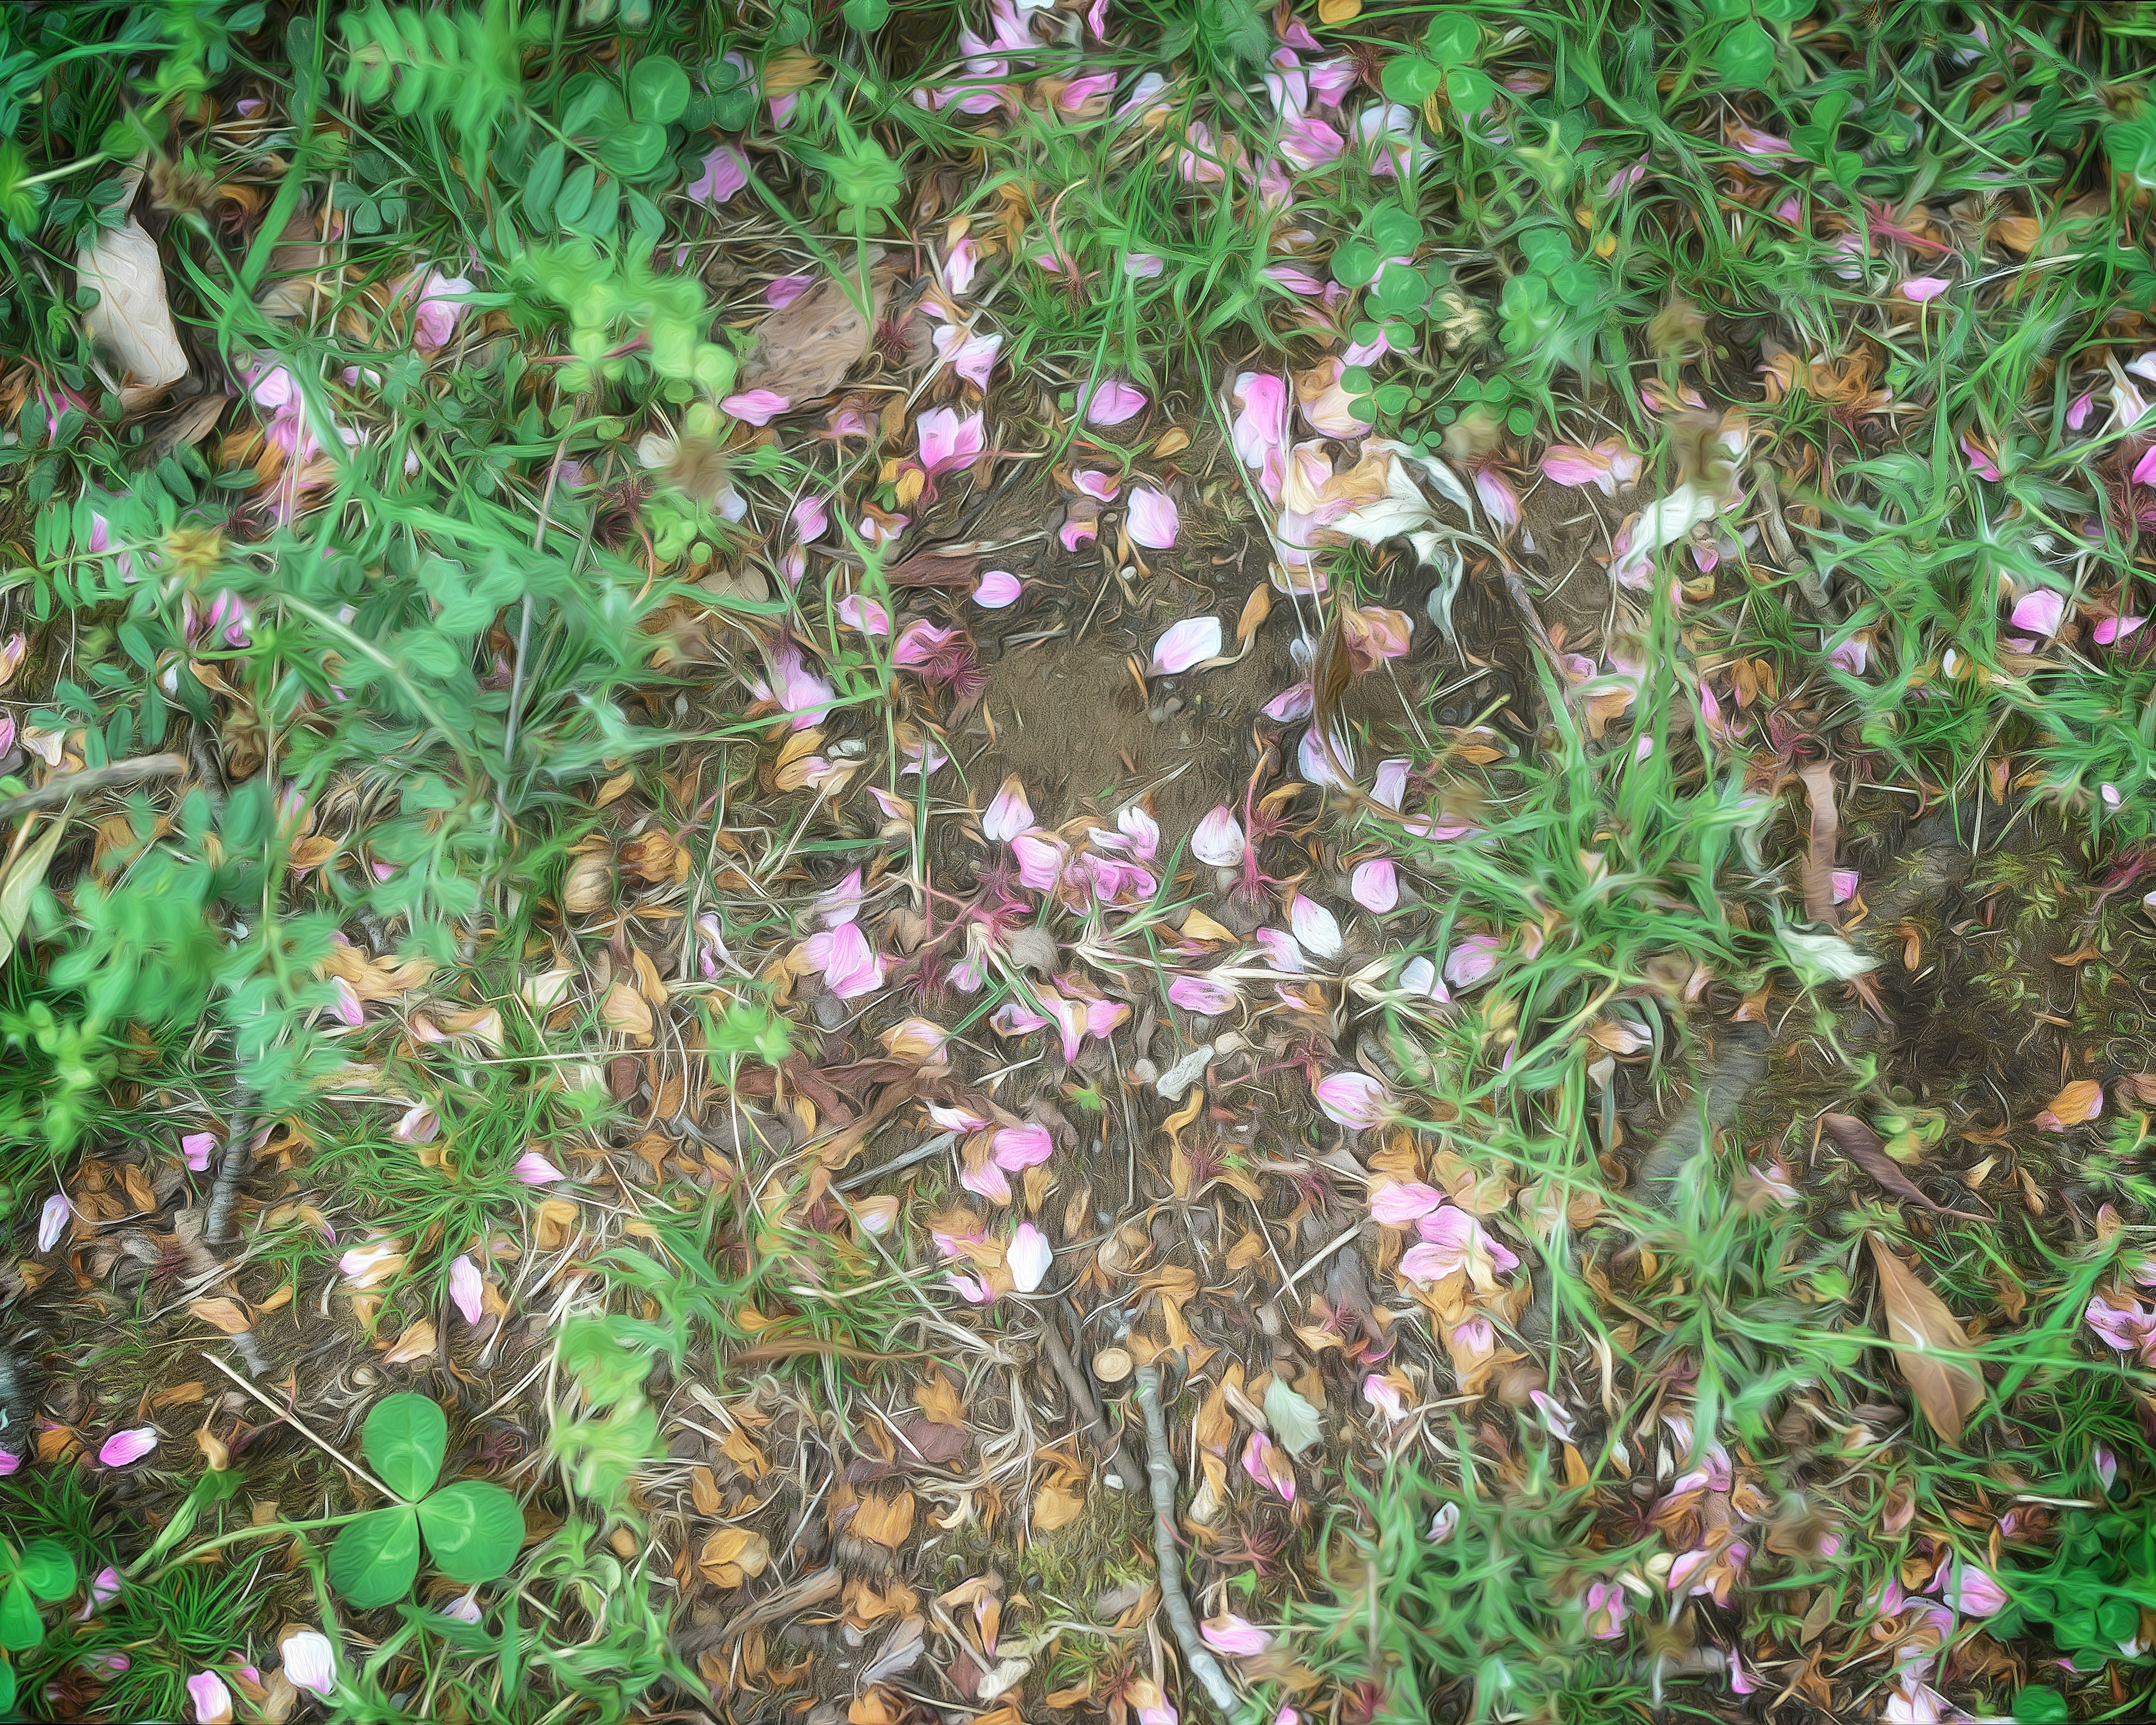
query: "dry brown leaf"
805, 350
884, 1521
703, 1490
1819, 856
221, 1314
1255, 609
132, 320
624, 1012
1868, 1151
416, 1343
556, 1221
1922, 1329
733, 1554
589, 886
2078, 1102
938, 1395
1056, 1506
215, 1451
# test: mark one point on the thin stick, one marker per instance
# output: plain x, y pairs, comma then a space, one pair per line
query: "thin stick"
94, 779
919, 1153
293, 1421
1167, 1559
1322, 1253
1115, 1469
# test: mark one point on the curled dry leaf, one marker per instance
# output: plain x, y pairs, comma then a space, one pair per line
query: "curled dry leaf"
883, 1520
2076, 1104
1922, 1331
132, 320
223, 1314
805, 350
1819, 856
625, 1012
415, 1344
1868, 1151
1056, 1506
731, 1555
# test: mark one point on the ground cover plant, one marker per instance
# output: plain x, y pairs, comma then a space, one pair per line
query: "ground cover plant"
1137, 860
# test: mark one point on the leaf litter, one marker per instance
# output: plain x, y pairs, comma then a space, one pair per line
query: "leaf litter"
731, 934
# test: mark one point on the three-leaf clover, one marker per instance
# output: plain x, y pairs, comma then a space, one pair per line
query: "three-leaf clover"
472, 1529
41, 1569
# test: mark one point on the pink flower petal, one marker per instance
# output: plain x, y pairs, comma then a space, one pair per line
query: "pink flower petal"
1112, 402
1264, 1462
1219, 839
1016, 1147
53, 1219
1353, 1099
212, 1700
124, 1448
1027, 1257
467, 1288
2041, 611
1233, 1634
997, 588
533, 1169
782, 291
1040, 859
849, 967
754, 407
1376, 885
949, 439
1924, 289
1315, 928
1190, 642
1202, 995
725, 171
1009, 815
1152, 520
1398, 1203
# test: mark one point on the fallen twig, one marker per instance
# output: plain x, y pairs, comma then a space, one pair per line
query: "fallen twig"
1115, 1468
1167, 1558
217, 1227
93, 779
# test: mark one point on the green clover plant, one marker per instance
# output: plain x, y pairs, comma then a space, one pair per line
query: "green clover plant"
471, 1529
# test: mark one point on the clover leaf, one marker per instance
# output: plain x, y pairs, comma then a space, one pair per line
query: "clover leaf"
470, 1528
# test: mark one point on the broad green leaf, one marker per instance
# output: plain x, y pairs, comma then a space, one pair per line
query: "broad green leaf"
404, 1439
545, 182
20, 883
1410, 80
48, 1569
1468, 90
1353, 262
1745, 57
866, 15
7, 1690
375, 1559
20, 1627
1453, 39
575, 197
1394, 232
634, 149
473, 1530
658, 90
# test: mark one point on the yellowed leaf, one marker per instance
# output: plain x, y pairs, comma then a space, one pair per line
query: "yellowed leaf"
625, 1012
884, 1521
556, 1222
2080, 1101
1056, 1506
1255, 609
589, 885
1922, 1329
733, 1554
938, 1396
221, 1314
416, 1343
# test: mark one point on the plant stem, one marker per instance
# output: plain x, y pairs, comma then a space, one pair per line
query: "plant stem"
1167, 1557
